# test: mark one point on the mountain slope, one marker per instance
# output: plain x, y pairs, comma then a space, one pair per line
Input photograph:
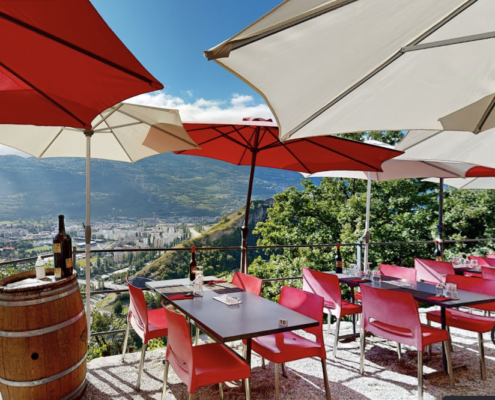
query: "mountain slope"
165, 185
175, 264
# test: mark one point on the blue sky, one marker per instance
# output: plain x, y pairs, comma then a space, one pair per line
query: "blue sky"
168, 38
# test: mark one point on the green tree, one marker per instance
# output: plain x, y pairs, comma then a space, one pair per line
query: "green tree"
117, 308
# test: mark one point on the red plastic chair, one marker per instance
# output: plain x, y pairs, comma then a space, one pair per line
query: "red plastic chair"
328, 287
490, 256
483, 261
248, 283
148, 324
398, 272
488, 273
467, 321
200, 365
287, 346
432, 271
393, 315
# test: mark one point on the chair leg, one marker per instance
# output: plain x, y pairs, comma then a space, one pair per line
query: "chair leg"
190, 397
446, 346
429, 347
125, 340
420, 375
363, 345
336, 340
197, 336
141, 366
450, 341
329, 323
220, 388
284, 371
244, 351
277, 381
482, 356
247, 389
399, 352
263, 362
165, 377
325, 378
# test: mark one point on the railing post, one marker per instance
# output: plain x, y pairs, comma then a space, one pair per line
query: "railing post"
359, 252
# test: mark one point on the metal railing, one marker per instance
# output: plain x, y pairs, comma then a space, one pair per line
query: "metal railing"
359, 246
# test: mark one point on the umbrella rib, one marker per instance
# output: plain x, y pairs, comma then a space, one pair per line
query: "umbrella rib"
58, 105
78, 49
284, 145
160, 129
211, 54
121, 145
103, 119
485, 116
272, 145
51, 142
421, 141
381, 67
118, 126
344, 155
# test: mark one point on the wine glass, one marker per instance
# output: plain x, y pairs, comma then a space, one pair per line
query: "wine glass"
456, 261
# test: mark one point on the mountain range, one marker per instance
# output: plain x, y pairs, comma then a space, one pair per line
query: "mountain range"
164, 185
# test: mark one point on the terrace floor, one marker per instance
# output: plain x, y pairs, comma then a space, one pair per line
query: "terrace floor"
109, 378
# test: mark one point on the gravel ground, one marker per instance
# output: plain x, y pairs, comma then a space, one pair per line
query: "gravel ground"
384, 378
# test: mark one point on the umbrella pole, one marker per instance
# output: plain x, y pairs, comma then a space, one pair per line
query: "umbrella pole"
367, 224
245, 228
440, 217
88, 134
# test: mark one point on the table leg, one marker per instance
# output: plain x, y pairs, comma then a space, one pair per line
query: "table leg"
443, 321
248, 352
353, 315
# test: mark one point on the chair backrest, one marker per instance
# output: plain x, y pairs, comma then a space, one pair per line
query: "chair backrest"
398, 272
483, 261
392, 315
432, 271
248, 282
488, 273
137, 306
179, 345
306, 303
324, 285
484, 286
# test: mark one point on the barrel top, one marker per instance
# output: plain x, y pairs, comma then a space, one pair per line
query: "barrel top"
30, 276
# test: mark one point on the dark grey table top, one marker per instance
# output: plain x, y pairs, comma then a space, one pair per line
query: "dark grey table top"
421, 291
255, 316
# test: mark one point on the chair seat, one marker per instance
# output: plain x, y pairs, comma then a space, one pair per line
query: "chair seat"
214, 363
286, 346
157, 325
430, 334
463, 320
347, 308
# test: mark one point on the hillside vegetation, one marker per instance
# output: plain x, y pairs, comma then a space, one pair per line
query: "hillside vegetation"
175, 264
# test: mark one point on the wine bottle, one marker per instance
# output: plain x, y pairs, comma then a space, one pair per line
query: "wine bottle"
338, 261
438, 252
192, 265
62, 251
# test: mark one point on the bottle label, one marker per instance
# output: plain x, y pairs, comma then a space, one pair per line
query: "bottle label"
57, 248
58, 273
68, 263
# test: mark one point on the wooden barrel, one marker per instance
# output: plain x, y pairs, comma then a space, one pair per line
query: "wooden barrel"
43, 340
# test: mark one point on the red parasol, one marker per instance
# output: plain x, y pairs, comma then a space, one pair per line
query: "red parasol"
255, 142
62, 65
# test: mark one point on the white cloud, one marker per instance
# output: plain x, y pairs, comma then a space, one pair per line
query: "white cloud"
234, 109
239, 107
